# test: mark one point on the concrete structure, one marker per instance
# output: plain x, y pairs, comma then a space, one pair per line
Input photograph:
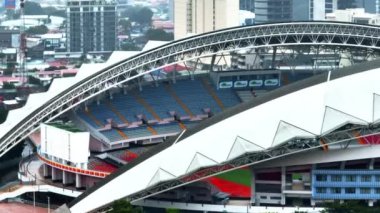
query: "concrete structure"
248, 5
312, 9
261, 132
296, 10
370, 6
354, 15
200, 16
9, 38
59, 98
91, 26
273, 10
282, 131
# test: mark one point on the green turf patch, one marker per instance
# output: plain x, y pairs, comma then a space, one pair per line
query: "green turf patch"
239, 176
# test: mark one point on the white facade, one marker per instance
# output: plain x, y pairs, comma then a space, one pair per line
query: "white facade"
65, 145
354, 15
200, 16
319, 8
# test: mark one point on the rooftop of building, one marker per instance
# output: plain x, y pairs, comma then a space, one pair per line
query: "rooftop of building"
70, 127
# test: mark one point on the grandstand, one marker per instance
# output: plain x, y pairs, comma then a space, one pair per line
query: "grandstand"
156, 112
132, 105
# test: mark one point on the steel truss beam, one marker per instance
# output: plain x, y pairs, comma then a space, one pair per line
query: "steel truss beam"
339, 139
270, 35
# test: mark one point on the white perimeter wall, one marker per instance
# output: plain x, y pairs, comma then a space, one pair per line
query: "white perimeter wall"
69, 146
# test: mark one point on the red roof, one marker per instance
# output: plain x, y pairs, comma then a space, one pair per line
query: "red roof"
176, 67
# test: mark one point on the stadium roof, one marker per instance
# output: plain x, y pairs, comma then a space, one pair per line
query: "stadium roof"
308, 109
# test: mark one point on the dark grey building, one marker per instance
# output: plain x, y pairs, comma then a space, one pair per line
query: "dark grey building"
247, 5
370, 6
312, 9
91, 26
273, 10
9, 38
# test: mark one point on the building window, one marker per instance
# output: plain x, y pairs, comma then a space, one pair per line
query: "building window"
366, 178
321, 177
350, 178
336, 190
336, 178
377, 190
365, 190
321, 190
377, 178
350, 190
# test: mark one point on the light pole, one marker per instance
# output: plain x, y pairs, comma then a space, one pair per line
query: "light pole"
48, 204
34, 200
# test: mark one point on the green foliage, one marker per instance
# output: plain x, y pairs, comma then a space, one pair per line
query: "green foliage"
3, 115
52, 11
33, 8
34, 80
11, 14
173, 211
123, 206
8, 72
141, 15
42, 29
158, 35
129, 47
7, 85
125, 25
349, 207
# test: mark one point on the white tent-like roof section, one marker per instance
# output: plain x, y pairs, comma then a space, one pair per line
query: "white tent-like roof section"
35, 101
306, 113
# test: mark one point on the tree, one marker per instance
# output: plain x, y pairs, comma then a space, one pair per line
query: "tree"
7, 85
126, 25
3, 115
2, 57
123, 206
11, 14
11, 66
129, 47
144, 16
42, 29
34, 80
141, 15
52, 11
33, 8
173, 211
158, 35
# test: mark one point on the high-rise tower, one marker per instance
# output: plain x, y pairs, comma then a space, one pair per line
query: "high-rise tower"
91, 25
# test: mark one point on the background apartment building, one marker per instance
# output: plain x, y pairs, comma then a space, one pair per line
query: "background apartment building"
200, 16
91, 25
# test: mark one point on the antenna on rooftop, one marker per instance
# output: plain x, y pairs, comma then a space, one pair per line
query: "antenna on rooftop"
22, 48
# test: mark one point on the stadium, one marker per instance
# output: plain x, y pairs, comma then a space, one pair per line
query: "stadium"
281, 114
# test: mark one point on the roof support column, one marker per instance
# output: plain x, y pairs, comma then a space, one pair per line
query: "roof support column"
283, 185
274, 57
212, 62
371, 164
253, 187
78, 181
174, 72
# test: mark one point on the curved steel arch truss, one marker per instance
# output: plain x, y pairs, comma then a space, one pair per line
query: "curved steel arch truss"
280, 34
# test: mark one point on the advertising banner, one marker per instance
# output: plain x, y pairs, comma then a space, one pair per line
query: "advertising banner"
225, 84
256, 83
240, 84
10, 4
271, 82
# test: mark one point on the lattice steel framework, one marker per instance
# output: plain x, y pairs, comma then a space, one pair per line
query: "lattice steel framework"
281, 34
339, 140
